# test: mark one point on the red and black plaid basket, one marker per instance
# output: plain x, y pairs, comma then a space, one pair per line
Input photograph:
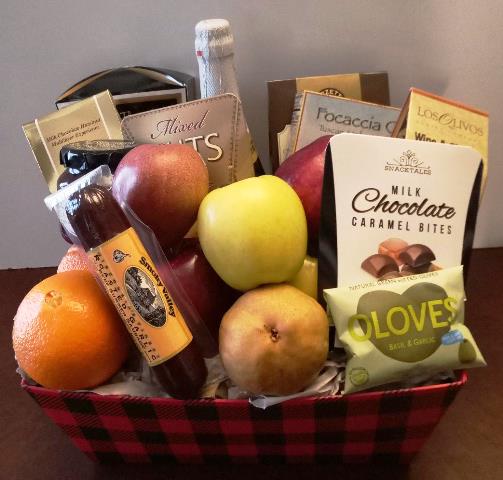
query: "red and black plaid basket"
389, 426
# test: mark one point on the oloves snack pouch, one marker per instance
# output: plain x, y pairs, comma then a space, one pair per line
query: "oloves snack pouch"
398, 328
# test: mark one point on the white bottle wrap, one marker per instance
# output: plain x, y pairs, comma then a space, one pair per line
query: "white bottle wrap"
214, 47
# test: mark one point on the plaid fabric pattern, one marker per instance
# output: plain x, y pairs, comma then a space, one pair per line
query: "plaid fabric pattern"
386, 426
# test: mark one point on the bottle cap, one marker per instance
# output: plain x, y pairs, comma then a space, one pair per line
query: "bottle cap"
214, 38
90, 154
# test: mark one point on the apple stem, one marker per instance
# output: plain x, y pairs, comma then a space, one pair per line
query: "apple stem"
274, 335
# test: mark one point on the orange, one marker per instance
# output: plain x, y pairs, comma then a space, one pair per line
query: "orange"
67, 334
75, 259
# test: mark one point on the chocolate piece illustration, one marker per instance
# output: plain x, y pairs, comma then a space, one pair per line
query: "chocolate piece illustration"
390, 275
393, 247
378, 265
417, 255
409, 270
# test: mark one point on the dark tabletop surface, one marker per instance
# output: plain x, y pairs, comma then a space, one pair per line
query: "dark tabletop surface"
467, 444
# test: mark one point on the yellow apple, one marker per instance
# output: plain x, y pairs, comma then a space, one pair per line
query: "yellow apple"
306, 278
253, 232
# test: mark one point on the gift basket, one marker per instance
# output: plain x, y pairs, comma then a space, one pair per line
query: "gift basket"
206, 312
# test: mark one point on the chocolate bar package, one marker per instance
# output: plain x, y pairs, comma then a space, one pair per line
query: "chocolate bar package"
369, 87
431, 118
412, 211
94, 118
403, 328
134, 89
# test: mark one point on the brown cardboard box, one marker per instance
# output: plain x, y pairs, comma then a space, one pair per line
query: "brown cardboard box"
370, 87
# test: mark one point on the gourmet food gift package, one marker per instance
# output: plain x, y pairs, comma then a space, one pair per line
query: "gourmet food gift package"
223, 316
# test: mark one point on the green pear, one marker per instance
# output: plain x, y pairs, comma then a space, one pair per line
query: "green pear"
253, 232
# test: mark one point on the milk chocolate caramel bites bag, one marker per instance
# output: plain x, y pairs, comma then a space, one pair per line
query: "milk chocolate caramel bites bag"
394, 207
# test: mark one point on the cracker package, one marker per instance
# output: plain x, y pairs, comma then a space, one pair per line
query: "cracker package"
401, 328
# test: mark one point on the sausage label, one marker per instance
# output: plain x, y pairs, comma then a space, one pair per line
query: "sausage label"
144, 303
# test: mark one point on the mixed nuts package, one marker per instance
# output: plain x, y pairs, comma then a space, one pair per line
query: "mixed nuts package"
215, 127
399, 328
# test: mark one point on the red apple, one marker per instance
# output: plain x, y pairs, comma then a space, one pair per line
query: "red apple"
303, 171
209, 294
164, 185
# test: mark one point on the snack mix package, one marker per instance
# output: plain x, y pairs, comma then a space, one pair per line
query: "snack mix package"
400, 328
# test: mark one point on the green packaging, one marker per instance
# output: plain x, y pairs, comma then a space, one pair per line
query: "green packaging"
396, 329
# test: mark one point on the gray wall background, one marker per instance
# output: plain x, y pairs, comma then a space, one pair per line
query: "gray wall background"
452, 48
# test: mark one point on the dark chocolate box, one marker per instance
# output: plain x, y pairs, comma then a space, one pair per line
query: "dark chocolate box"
134, 89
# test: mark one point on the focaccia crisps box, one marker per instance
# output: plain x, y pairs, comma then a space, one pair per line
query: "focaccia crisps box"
318, 114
